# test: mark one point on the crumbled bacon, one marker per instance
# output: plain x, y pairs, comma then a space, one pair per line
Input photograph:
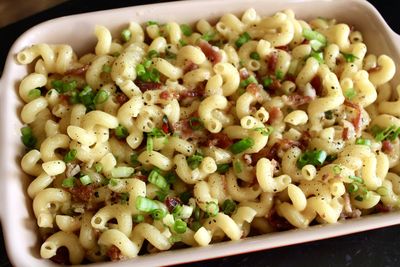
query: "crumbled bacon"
387, 147
380, 207
275, 85
218, 139
274, 114
375, 69
316, 83
189, 66
283, 47
145, 86
277, 222
197, 92
61, 257
345, 134
165, 95
296, 100
78, 71
271, 61
211, 53
82, 193
253, 89
172, 202
114, 253
304, 139
121, 98
141, 177
272, 153
357, 120
244, 74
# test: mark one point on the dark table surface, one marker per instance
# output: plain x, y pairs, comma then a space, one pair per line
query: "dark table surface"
372, 248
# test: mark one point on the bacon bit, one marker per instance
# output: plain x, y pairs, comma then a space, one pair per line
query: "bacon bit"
141, 177
78, 71
305, 41
271, 61
375, 69
296, 100
290, 77
208, 50
283, 47
121, 98
357, 120
274, 114
64, 99
165, 95
82, 193
304, 140
244, 74
285, 144
165, 125
61, 257
218, 139
253, 89
316, 83
114, 253
247, 159
387, 147
172, 202
345, 134
189, 66
275, 85
145, 86
183, 127
277, 222
269, 153
380, 207
199, 91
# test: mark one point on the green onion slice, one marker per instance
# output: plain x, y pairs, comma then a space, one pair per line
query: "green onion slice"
186, 29
222, 168
158, 180
195, 160
101, 97
243, 38
138, 218
254, 55
34, 93
122, 172
228, 207
158, 214
145, 204
68, 182
126, 35
242, 145
314, 35
314, 157
85, 180
362, 141
70, 156
149, 144
356, 179
350, 93
349, 57
180, 226
266, 131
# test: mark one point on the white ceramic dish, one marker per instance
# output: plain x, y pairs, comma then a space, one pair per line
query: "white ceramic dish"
19, 225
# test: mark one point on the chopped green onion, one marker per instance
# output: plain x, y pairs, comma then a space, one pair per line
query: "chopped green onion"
314, 157
362, 141
196, 225
170, 55
86, 97
122, 172
237, 166
314, 35
266, 131
222, 168
243, 38
138, 218
212, 209
98, 167
147, 63
248, 81
208, 36
337, 169
254, 55
316, 45
121, 132
154, 75
158, 180
186, 29
106, 68
352, 188
356, 179
158, 214
34, 93
242, 145
114, 182
101, 97
152, 54
152, 22
228, 207
140, 70
126, 35
195, 123
182, 42
267, 81
177, 210
85, 180
58, 85
185, 196
383, 191
70, 156
68, 182
27, 137
195, 160
180, 226
350, 93
349, 57
145, 204
149, 144
134, 159
63, 87
318, 56
197, 213
330, 158
279, 74
156, 132
328, 114
162, 195
174, 239
170, 177
390, 133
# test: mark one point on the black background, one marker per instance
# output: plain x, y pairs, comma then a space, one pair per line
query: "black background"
373, 248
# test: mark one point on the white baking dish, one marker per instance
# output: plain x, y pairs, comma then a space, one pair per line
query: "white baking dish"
19, 224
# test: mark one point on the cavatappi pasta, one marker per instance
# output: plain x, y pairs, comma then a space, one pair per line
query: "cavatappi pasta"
171, 135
